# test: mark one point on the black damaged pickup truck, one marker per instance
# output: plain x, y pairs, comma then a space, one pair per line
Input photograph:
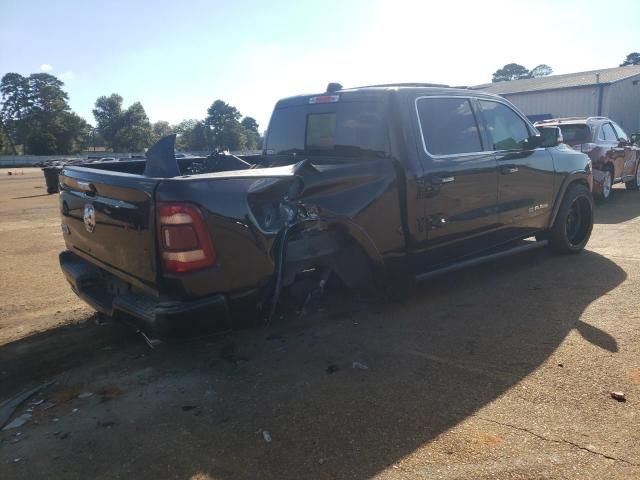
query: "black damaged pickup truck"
368, 184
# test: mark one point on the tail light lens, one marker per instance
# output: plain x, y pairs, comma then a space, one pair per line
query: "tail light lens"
185, 245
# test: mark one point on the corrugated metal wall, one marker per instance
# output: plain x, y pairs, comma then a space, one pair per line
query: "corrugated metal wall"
568, 102
622, 104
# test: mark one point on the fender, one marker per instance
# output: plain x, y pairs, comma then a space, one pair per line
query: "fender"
583, 176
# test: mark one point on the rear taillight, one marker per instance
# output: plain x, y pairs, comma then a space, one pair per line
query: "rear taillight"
183, 239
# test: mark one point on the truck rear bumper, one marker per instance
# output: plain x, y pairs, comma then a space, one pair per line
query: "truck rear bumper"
160, 317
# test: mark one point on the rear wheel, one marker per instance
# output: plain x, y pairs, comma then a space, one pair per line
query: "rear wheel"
607, 185
635, 183
572, 227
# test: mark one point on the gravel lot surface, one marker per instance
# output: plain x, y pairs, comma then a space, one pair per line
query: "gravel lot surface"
501, 371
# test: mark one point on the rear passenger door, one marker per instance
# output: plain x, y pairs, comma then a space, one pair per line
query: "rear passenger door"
615, 153
459, 184
630, 153
525, 174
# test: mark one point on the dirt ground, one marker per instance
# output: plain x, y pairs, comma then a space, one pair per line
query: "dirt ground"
502, 371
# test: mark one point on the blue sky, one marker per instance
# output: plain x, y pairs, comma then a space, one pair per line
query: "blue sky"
177, 57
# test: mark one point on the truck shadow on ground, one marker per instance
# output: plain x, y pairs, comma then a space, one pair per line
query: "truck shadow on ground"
622, 205
445, 350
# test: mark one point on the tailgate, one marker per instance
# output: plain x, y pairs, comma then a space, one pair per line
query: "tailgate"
109, 217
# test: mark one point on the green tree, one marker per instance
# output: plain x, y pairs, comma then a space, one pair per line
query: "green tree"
232, 137
541, 70
161, 129
227, 132
193, 135
511, 71
135, 133
632, 59
35, 114
108, 114
253, 140
122, 130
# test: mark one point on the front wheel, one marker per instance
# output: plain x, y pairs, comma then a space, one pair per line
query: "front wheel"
607, 185
572, 227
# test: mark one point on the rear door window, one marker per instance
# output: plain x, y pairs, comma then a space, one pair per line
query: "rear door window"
576, 133
608, 134
505, 128
448, 126
622, 135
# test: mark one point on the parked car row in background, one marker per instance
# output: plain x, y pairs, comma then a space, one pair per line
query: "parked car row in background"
615, 156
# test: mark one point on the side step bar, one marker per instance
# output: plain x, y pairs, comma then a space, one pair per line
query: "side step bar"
480, 260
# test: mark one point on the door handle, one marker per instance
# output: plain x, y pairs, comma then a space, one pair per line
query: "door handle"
443, 179
87, 187
508, 169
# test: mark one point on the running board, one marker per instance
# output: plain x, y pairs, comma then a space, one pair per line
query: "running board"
480, 260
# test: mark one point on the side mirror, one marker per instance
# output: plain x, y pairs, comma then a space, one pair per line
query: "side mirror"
550, 136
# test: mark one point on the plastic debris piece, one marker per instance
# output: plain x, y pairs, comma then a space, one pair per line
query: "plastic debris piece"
619, 396
359, 366
85, 395
74, 410
47, 405
9, 406
267, 436
18, 422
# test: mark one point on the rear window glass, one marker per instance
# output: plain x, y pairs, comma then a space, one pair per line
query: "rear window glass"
574, 134
341, 129
321, 131
448, 126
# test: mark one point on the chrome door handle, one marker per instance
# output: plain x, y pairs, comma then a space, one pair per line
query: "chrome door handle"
444, 179
508, 170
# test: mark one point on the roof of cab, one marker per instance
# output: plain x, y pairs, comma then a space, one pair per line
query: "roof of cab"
373, 92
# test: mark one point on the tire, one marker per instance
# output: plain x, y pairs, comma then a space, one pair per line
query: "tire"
607, 185
573, 225
635, 183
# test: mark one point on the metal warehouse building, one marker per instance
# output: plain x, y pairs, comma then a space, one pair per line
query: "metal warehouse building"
611, 92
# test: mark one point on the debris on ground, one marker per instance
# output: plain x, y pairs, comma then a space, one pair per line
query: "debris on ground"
18, 421
187, 408
153, 343
267, 436
106, 424
619, 396
10, 405
332, 369
85, 395
359, 366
